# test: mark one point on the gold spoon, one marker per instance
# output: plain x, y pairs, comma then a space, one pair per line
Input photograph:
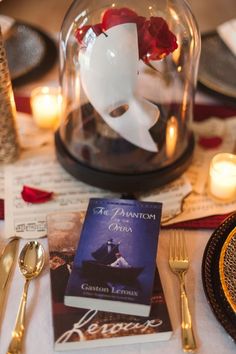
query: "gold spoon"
31, 262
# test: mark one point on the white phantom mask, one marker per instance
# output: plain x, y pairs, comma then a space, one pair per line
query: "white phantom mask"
109, 72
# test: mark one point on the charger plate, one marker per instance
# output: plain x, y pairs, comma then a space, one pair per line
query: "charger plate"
217, 66
227, 267
30, 52
218, 280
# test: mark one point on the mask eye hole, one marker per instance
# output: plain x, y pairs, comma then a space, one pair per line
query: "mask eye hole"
119, 111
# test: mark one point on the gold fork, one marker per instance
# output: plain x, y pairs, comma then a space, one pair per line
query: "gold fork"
179, 264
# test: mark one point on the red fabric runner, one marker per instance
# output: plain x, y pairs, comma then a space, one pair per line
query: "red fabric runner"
201, 111
1, 209
209, 222
23, 104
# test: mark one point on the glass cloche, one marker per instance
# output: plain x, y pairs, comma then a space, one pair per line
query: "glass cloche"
128, 73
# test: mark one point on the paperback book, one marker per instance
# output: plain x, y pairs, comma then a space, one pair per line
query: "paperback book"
115, 260
77, 328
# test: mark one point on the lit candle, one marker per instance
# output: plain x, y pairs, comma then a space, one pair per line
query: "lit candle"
171, 136
46, 106
222, 176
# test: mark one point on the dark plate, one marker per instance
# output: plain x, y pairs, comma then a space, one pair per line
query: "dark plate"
217, 66
227, 269
30, 53
211, 277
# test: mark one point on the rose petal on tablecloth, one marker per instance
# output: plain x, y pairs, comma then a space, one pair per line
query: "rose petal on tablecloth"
33, 195
210, 142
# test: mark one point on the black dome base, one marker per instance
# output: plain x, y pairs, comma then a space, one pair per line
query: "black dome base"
124, 183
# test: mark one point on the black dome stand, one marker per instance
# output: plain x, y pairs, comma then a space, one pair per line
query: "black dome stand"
124, 183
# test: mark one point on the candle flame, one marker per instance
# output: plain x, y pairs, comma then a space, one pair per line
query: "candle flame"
171, 136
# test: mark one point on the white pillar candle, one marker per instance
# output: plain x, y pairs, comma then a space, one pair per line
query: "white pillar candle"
46, 106
222, 176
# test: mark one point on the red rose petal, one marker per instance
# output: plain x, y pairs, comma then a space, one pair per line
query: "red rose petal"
210, 142
146, 42
114, 17
81, 32
33, 195
97, 29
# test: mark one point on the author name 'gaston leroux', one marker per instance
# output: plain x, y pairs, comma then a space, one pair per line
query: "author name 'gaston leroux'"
106, 290
116, 212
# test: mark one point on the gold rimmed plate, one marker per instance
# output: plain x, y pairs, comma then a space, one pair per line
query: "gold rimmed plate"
227, 268
216, 276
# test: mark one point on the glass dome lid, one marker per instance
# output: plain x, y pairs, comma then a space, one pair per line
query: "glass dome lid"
128, 74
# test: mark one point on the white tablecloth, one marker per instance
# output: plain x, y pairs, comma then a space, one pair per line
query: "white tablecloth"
211, 337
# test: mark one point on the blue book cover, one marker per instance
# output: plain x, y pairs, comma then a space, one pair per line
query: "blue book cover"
115, 261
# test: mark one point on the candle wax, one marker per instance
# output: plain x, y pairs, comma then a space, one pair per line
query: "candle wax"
46, 110
223, 179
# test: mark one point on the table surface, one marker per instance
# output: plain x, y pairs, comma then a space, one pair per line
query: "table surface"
39, 336
209, 333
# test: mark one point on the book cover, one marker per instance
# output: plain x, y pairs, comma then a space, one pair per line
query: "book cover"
76, 328
115, 261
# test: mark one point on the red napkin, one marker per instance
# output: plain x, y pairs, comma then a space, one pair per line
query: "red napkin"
23, 104
201, 111
209, 222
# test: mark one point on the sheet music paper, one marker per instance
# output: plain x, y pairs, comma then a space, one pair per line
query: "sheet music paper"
198, 204
184, 199
171, 195
40, 169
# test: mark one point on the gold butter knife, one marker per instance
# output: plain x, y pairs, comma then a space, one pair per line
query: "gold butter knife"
7, 259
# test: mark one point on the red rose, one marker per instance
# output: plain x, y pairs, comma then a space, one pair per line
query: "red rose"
165, 39
155, 40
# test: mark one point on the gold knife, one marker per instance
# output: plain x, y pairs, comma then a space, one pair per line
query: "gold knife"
7, 259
